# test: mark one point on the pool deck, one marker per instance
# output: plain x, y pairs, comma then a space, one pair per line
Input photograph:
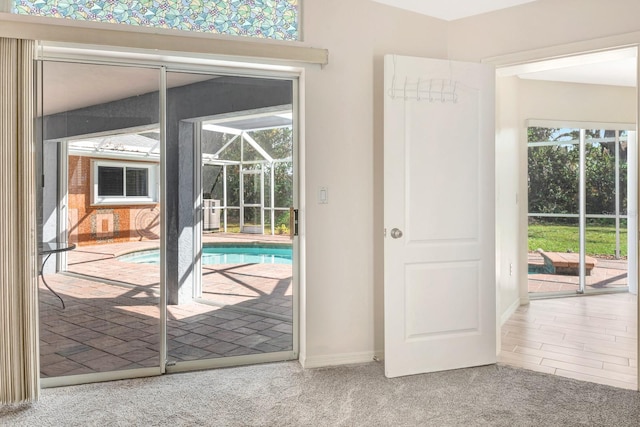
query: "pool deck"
607, 274
112, 317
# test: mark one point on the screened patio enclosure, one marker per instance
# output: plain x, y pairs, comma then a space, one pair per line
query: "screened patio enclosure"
247, 171
582, 204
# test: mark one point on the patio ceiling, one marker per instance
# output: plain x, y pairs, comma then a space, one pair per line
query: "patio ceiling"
145, 143
247, 124
247, 121
142, 144
69, 86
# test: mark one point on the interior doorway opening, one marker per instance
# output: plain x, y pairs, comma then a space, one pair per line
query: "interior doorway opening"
580, 95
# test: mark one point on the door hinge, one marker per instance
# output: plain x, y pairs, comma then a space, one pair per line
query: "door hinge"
170, 363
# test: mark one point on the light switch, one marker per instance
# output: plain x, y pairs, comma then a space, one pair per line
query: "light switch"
323, 195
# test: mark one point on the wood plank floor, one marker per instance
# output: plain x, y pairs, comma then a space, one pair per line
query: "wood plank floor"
589, 338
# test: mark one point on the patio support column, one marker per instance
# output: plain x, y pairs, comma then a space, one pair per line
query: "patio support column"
180, 286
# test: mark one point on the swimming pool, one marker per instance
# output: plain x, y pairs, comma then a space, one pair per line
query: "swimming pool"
223, 255
538, 269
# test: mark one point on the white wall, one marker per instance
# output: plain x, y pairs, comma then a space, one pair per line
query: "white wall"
508, 197
344, 281
540, 24
577, 102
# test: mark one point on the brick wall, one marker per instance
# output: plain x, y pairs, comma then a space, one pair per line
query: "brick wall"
90, 225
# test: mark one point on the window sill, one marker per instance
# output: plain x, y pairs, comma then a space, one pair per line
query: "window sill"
124, 203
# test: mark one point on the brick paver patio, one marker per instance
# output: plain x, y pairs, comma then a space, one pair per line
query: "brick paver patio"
607, 274
111, 320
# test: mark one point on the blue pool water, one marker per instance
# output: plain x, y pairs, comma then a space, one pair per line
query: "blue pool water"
538, 269
223, 255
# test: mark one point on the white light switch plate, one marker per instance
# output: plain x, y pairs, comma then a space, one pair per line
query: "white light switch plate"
323, 195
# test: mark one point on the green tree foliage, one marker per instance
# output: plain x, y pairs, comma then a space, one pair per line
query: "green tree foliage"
554, 173
278, 143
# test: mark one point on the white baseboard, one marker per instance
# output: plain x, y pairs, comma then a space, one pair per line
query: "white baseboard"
341, 359
512, 309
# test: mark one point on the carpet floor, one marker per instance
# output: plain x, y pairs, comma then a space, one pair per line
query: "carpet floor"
284, 394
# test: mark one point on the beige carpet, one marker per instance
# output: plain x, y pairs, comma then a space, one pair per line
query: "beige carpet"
283, 394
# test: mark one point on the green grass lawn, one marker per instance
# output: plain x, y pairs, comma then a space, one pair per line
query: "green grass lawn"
601, 240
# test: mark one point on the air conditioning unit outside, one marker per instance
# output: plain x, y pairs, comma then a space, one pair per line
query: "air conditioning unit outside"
211, 214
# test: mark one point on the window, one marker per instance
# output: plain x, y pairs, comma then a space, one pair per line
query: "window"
123, 183
270, 19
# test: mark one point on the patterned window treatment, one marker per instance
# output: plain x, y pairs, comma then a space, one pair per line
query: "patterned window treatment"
19, 363
269, 19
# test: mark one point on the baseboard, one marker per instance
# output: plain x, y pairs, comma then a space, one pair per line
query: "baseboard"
341, 359
512, 309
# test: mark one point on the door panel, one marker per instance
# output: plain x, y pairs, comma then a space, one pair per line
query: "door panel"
107, 323
433, 214
234, 288
426, 298
439, 215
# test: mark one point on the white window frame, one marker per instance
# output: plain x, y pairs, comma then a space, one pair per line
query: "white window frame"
97, 200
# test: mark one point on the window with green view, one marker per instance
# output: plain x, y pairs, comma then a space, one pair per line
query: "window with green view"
271, 19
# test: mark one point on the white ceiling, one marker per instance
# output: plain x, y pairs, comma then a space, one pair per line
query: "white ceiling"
450, 10
612, 68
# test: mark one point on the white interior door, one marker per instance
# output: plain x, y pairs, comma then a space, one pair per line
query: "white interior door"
439, 210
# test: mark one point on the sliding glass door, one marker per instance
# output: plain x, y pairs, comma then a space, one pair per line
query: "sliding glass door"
100, 208
230, 292
578, 209
126, 152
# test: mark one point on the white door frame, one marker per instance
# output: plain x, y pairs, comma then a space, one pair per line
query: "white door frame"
567, 51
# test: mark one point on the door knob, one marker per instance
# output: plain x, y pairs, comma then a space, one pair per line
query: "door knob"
396, 233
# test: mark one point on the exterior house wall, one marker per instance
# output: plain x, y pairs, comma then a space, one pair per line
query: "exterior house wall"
90, 225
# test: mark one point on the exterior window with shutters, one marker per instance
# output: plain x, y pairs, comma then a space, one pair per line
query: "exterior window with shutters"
124, 183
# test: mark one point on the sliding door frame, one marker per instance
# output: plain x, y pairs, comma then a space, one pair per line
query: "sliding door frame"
295, 78
582, 199
164, 63
62, 224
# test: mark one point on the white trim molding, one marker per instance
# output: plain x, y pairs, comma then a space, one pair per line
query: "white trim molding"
152, 184
341, 359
